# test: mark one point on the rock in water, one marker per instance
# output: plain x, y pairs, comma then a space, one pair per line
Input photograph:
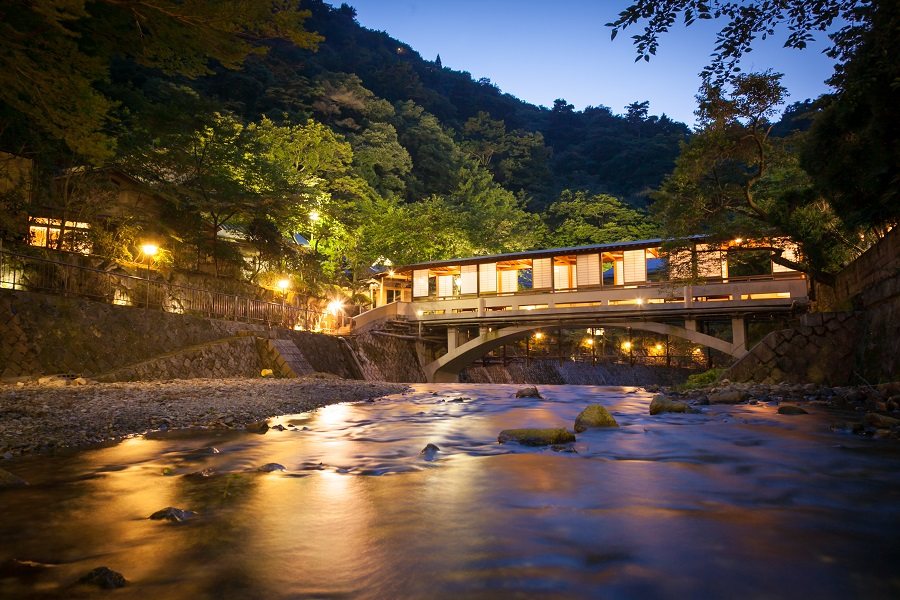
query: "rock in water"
105, 578
790, 409
880, 421
593, 416
270, 467
260, 427
728, 397
7, 479
170, 513
429, 452
529, 392
536, 437
661, 404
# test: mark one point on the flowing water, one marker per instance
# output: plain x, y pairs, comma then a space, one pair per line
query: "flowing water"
736, 502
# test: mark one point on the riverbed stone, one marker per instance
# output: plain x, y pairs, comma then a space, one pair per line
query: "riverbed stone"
594, 416
105, 578
170, 513
258, 427
790, 409
880, 421
429, 452
271, 467
536, 437
7, 479
529, 392
729, 396
661, 404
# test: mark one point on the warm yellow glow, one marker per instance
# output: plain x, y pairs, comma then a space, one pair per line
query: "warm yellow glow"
640, 300
283, 284
589, 341
538, 336
420, 312
391, 273
335, 306
626, 346
314, 216
658, 347
738, 240
698, 350
601, 331
149, 249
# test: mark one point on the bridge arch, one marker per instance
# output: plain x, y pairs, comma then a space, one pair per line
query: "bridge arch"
446, 368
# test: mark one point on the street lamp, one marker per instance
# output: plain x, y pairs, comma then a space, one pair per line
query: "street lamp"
149, 250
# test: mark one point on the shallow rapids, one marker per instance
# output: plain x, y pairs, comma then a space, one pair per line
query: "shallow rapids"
735, 502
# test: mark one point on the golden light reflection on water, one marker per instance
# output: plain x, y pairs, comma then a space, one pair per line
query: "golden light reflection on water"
623, 516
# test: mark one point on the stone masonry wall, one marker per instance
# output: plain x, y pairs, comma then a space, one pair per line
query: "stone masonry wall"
821, 350
384, 358
44, 335
235, 357
859, 345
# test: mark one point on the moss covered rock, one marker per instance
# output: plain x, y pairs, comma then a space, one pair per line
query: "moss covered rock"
593, 416
528, 392
536, 437
661, 404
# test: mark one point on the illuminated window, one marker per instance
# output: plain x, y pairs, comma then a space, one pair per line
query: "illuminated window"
45, 233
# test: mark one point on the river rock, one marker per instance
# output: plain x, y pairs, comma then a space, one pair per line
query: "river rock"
105, 578
271, 467
594, 416
258, 427
728, 397
7, 479
790, 409
536, 437
429, 452
661, 404
170, 513
529, 392
880, 421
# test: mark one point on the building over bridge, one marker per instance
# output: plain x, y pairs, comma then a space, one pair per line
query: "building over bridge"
485, 301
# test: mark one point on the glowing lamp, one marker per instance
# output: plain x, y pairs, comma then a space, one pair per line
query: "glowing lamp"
335, 306
539, 336
283, 284
149, 249
626, 346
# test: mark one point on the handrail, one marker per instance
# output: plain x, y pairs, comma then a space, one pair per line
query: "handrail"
38, 274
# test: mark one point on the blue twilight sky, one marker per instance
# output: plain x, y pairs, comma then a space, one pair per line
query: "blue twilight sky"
540, 51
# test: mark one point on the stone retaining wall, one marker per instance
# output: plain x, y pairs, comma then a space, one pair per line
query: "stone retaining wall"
821, 350
44, 335
857, 343
234, 357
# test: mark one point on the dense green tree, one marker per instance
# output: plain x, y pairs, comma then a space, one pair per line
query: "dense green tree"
53, 53
734, 180
853, 151
577, 219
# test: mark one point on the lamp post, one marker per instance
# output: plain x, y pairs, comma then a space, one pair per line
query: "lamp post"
149, 250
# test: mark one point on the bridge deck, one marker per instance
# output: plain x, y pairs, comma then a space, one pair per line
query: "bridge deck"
648, 301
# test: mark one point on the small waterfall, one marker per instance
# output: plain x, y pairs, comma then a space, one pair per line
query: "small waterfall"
551, 372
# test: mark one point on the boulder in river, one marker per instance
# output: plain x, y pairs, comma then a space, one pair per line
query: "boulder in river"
170, 513
880, 421
536, 437
258, 427
105, 578
529, 392
7, 479
594, 416
790, 409
271, 467
728, 397
429, 452
661, 404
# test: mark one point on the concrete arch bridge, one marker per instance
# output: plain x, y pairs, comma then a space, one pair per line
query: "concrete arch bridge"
610, 285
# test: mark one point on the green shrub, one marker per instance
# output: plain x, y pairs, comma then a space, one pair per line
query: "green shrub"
701, 380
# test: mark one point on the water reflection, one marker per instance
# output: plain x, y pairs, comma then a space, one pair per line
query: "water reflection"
733, 502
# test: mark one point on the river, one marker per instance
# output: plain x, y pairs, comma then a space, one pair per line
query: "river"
735, 502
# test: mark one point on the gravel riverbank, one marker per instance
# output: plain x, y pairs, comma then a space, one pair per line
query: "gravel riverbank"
37, 417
